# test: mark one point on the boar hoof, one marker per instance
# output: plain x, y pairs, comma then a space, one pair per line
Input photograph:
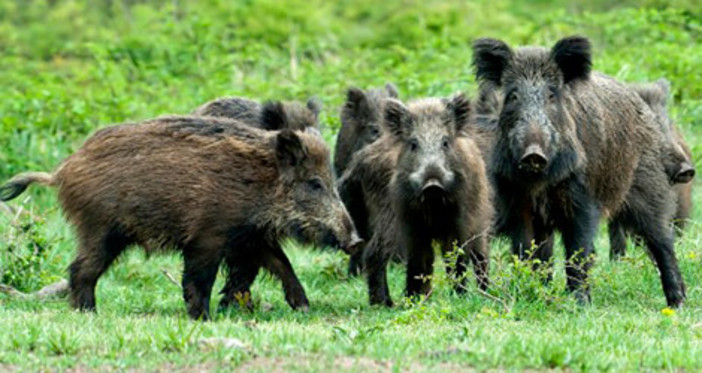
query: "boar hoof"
299, 304
676, 300
582, 297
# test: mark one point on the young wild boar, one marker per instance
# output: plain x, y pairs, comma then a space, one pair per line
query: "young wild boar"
361, 118
212, 188
272, 115
364, 188
569, 145
438, 192
677, 161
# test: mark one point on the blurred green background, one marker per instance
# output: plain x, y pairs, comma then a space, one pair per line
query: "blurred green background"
68, 68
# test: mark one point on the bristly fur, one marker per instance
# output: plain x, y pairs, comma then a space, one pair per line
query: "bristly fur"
271, 115
460, 213
600, 149
361, 126
213, 188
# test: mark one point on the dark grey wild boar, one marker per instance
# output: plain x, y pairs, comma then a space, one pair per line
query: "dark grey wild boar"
570, 144
361, 122
213, 188
271, 115
361, 118
677, 161
438, 191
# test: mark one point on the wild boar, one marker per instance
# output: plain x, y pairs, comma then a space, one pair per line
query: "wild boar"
571, 144
212, 188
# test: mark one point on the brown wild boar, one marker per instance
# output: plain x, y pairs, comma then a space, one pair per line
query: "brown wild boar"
438, 192
271, 115
364, 188
213, 188
570, 144
361, 118
677, 161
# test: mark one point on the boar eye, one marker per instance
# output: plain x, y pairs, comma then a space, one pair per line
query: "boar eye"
512, 96
551, 95
374, 131
445, 143
315, 184
414, 145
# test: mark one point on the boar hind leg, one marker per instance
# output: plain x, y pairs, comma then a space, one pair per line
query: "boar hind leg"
278, 264
478, 253
202, 259
617, 239
243, 263
375, 258
95, 254
237, 290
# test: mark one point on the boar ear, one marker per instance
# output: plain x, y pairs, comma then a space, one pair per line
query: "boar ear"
459, 109
664, 86
315, 106
289, 149
356, 100
392, 90
396, 117
490, 59
273, 116
573, 57
655, 95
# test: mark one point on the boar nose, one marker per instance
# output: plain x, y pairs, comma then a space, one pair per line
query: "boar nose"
533, 158
432, 184
685, 174
354, 244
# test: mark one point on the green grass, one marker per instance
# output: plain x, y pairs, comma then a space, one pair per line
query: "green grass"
70, 67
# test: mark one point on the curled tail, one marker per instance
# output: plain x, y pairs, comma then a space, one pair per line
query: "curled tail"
19, 184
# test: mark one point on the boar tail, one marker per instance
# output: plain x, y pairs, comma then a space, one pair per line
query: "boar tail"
19, 184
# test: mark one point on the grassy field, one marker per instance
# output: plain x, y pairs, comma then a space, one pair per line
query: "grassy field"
71, 67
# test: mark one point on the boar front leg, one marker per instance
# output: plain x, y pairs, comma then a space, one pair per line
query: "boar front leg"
420, 265
578, 228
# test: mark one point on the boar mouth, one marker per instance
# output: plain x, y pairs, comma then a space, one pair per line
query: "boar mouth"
354, 245
321, 236
433, 191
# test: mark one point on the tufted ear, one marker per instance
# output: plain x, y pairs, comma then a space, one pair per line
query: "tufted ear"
490, 59
397, 117
392, 90
664, 85
273, 116
357, 101
573, 57
315, 106
460, 110
655, 94
289, 149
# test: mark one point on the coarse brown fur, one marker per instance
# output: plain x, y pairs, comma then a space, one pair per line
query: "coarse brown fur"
213, 188
570, 145
364, 189
438, 192
361, 125
271, 115
677, 161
